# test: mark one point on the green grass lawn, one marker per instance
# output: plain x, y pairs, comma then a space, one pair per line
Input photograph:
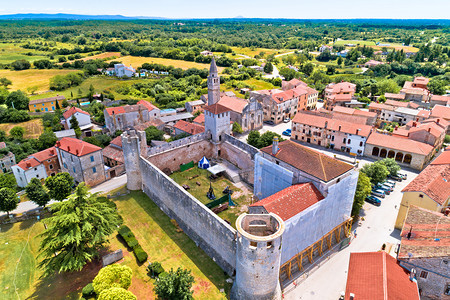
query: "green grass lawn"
356, 42
239, 197
163, 243
10, 52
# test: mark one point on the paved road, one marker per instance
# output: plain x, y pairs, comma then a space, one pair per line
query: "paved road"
287, 53
104, 187
328, 280
275, 73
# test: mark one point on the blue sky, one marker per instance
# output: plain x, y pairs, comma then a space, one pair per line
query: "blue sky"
296, 9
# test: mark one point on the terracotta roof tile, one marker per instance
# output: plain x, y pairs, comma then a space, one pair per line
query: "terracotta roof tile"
398, 143
148, 105
425, 226
377, 275
45, 154
76, 147
309, 161
396, 103
44, 100
113, 153
68, 113
356, 112
216, 109
380, 106
440, 111
143, 126
28, 163
233, 103
115, 110
292, 200
117, 141
341, 87
190, 128
200, 119
434, 180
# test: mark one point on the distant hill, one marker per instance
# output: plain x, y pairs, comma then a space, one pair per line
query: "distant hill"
62, 16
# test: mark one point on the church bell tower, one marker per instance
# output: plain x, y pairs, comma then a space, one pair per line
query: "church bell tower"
213, 84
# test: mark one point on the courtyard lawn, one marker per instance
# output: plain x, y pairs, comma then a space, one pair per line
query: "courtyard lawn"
33, 128
21, 80
159, 237
240, 197
137, 61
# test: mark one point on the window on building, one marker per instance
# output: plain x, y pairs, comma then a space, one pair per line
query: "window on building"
447, 290
420, 196
253, 244
92, 158
62, 154
360, 144
73, 168
344, 140
94, 170
424, 274
50, 167
65, 166
35, 169
349, 141
37, 176
270, 244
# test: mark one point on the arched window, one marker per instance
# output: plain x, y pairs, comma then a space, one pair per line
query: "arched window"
383, 153
391, 154
407, 159
375, 151
399, 157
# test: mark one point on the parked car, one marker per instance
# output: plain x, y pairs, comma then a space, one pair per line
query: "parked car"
403, 175
378, 193
286, 120
387, 186
397, 178
373, 200
287, 132
269, 122
386, 190
391, 182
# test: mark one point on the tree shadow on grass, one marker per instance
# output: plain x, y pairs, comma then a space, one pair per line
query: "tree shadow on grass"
66, 285
203, 262
6, 227
26, 224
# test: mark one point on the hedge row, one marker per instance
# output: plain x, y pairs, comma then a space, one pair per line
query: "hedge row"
133, 243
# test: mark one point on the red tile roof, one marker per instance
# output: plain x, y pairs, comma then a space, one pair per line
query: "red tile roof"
394, 96
115, 110
45, 154
143, 126
148, 105
426, 226
284, 96
216, 109
421, 80
117, 141
443, 158
292, 200
113, 153
28, 163
377, 275
433, 181
440, 98
397, 103
68, 113
76, 147
332, 124
341, 87
309, 161
233, 103
433, 128
190, 128
398, 143
440, 111
424, 113
200, 119
356, 112
380, 106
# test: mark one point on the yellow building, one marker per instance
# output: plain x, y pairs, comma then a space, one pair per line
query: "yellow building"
46, 104
429, 190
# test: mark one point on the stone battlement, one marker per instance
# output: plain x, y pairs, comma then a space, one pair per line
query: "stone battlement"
177, 144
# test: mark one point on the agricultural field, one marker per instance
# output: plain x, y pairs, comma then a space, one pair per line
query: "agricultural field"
397, 47
254, 51
11, 52
137, 61
21, 80
241, 196
33, 128
105, 55
166, 244
355, 42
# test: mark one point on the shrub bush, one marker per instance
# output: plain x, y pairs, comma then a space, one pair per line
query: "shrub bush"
132, 243
154, 269
88, 290
141, 255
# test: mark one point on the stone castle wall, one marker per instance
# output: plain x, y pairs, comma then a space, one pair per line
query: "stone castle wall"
177, 144
205, 228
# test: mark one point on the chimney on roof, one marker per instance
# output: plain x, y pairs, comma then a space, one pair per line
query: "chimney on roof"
68, 148
352, 296
326, 124
58, 144
357, 131
275, 145
52, 152
339, 128
437, 121
429, 129
28, 165
77, 151
414, 124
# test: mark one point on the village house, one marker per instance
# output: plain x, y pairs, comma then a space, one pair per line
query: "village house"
65, 133
182, 126
399, 114
406, 152
440, 100
301, 88
440, 122
416, 90
372, 63
153, 111
194, 106
206, 53
200, 119
113, 153
39, 165
83, 118
277, 105
123, 117
325, 48
83, 161
429, 190
7, 160
338, 94
377, 275
441, 112
121, 70
327, 132
46, 104
424, 250
354, 115
430, 133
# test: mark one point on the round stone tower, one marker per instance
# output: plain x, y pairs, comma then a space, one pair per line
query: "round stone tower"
134, 144
258, 255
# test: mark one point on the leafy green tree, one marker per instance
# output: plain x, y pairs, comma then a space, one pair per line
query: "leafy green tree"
268, 68
266, 139
363, 189
253, 138
391, 165
437, 87
74, 123
339, 61
17, 100
116, 293
153, 133
237, 127
8, 200
36, 192
59, 186
8, 180
377, 172
387, 86
77, 230
20, 64
175, 285
5, 81
112, 276
47, 139
17, 132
